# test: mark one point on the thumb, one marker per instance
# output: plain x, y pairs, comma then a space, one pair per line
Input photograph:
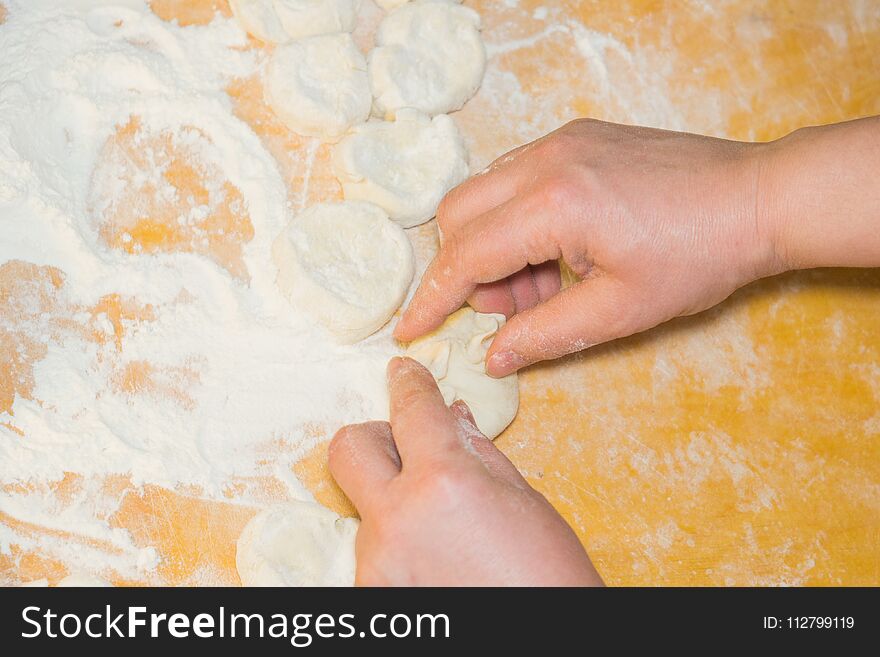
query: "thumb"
586, 314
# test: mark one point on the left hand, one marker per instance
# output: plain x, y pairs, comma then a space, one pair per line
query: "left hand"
441, 506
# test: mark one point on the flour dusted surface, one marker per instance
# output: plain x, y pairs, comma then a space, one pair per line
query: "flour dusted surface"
170, 367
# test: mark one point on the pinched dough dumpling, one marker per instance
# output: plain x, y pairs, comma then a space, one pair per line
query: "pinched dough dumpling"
404, 166
345, 264
279, 21
319, 86
429, 56
297, 544
455, 353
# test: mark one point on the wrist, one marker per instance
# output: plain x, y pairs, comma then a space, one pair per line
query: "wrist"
768, 161
817, 197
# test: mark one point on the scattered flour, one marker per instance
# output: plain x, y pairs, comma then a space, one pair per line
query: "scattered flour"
248, 371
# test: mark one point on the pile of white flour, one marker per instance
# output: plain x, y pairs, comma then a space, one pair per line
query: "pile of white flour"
71, 72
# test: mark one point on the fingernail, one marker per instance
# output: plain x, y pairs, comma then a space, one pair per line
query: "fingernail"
393, 364
503, 363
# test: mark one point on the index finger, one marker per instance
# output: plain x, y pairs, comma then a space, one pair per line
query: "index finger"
497, 183
493, 246
423, 426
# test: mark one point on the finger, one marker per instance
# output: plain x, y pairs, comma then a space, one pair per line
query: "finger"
499, 297
493, 246
586, 314
548, 278
493, 298
462, 411
423, 427
483, 191
498, 465
363, 459
524, 289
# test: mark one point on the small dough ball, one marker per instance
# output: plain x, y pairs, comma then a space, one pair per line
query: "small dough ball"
83, 580
319, 86
297, 544
405, 166
429, 56
455, 353
279, 21
345, 264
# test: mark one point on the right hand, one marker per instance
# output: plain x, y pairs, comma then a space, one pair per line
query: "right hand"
656, 224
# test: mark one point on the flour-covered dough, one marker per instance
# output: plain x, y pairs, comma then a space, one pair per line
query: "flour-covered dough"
388, 5
319, 86
279, 21
404, 166
429, 56
455, 353
297, 544
345, 264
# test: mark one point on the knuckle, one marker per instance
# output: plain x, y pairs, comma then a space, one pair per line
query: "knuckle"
447, 486
407, 396
453, 256
347, 438
340, 443
446, 211
556, 191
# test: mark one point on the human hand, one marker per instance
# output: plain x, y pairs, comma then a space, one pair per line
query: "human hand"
656, 224
441, 506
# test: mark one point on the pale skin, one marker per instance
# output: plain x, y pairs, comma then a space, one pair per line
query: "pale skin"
656, 225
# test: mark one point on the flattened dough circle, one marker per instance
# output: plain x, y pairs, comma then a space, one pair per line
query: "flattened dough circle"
297, 544
404, 166
279, 21
429, 56
345, 264
319, 86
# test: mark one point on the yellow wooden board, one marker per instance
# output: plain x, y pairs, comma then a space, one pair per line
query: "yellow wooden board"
740, 446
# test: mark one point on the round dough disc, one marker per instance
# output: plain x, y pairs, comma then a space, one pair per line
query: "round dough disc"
345, 264
279, 21
455, 353
319, 86
297, 544
429, 56
405, 166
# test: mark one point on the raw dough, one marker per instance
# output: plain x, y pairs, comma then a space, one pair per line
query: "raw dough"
405, 166
429, 56
388, 5
455, 353
345, 264
319, 86
297, 544
279, 21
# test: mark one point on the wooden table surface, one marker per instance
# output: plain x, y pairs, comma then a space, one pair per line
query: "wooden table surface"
737, 447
